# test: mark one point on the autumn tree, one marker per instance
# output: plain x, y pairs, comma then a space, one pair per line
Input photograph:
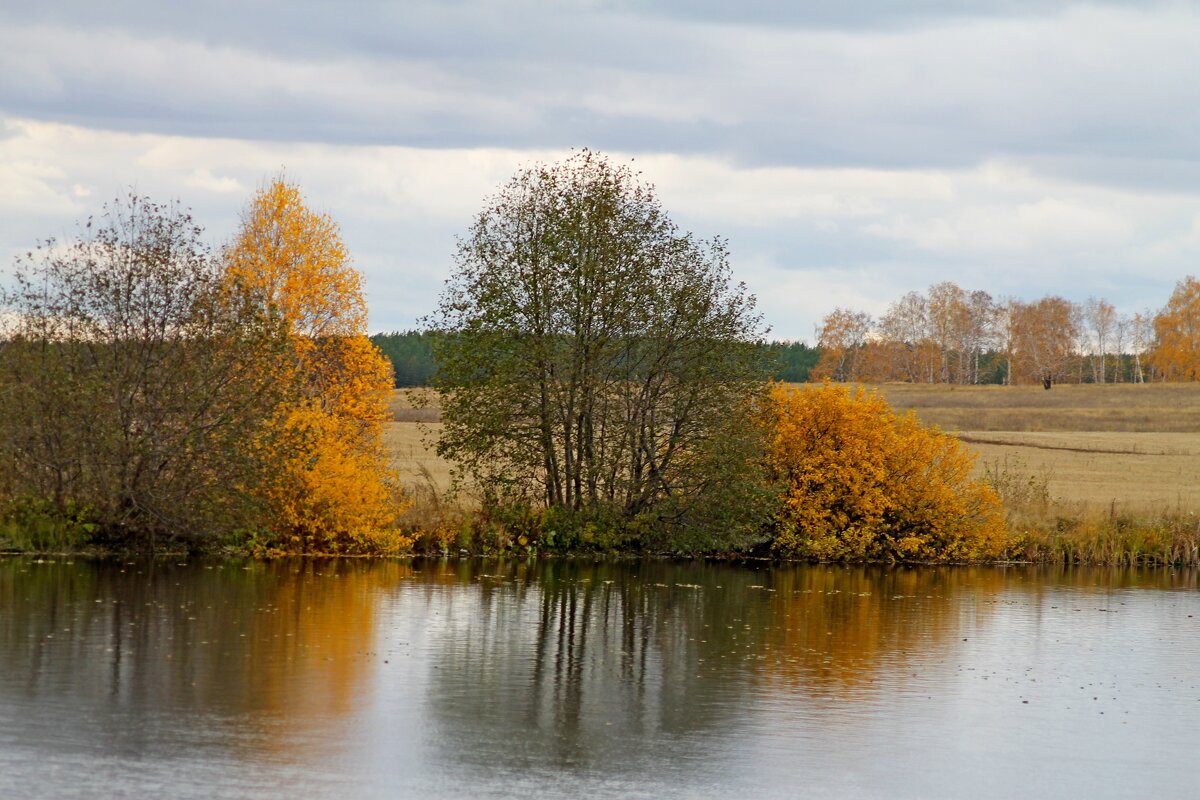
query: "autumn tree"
948, 325
841, 338
1101, 325
1176, 350
981, 331
1045, 334
906, 325
861, 482
133, 379
1140, 329
1121, 327
594, 359
334, 490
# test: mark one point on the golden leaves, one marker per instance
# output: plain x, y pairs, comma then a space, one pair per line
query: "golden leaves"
861, 481
333, 490
296, 258
1176, 353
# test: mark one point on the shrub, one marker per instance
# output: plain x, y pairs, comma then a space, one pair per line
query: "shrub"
862, 482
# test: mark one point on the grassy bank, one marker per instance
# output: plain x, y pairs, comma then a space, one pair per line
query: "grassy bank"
1088, 474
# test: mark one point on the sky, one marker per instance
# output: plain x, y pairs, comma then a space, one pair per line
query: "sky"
849, 152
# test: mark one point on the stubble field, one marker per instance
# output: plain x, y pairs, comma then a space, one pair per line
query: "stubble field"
1118, 448
1125, 448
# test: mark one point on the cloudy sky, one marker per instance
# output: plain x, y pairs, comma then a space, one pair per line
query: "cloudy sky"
850, 151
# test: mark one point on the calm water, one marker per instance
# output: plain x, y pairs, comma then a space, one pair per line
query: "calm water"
358, 679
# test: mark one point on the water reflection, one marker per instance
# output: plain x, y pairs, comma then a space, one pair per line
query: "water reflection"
337, 678
126, 644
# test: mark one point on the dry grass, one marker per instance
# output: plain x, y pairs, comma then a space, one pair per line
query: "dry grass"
411, 438
1121, 449
410, 445
415, 405
1117, 408
1127, 449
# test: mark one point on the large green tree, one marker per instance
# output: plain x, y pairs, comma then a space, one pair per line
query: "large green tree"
135, 379
597, 359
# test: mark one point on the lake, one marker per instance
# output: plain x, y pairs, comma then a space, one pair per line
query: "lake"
556, 678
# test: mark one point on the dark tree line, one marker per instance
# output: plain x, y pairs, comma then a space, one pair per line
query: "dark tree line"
411, 354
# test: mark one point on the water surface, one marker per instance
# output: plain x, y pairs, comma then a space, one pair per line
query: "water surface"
559, 679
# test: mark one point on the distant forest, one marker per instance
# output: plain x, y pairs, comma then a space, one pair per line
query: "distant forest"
951, 335
411, 354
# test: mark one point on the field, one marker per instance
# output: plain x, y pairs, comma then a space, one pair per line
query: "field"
1119, 448
410, 437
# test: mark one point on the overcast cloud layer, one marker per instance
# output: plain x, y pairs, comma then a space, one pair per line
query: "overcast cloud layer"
850, 152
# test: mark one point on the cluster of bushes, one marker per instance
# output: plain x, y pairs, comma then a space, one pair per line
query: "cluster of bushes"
154, 392
604, 386
838, 475
602, 380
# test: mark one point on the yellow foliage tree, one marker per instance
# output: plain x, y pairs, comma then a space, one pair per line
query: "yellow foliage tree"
840, 339
1176, 352
333, 491
862, 482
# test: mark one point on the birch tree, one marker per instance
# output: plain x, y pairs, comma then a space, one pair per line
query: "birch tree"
1176, 351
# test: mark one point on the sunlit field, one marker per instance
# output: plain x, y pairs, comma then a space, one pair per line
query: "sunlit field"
1125, 448
410, 440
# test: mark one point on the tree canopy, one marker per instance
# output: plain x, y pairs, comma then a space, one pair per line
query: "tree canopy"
333, 489
132, 379
1176, 352
592, 351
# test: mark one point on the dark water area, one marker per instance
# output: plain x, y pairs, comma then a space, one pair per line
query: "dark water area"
567, 679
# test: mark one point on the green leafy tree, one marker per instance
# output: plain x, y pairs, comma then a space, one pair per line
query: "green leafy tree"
133, 377
593, 353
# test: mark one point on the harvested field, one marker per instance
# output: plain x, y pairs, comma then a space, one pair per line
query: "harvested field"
410, 440
1134, 473
1129, 408
412, 454
415, 405
1124, 448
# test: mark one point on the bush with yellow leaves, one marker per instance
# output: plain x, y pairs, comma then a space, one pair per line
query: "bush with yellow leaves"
862, 482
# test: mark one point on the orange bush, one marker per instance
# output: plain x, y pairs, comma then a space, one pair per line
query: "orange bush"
862, 482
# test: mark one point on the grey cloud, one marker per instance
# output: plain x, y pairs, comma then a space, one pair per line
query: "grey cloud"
627, 77
1100, 94
619, 79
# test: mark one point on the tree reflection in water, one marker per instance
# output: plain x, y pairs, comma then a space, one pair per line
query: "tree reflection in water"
641, 672
255, 642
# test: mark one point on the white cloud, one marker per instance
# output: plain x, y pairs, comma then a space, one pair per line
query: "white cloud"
203, 178
805, 240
